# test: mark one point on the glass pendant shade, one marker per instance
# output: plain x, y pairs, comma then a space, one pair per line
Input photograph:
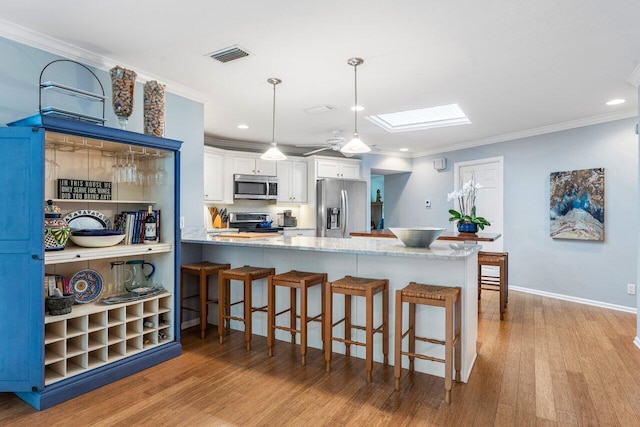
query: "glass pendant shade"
355, 146
273, 153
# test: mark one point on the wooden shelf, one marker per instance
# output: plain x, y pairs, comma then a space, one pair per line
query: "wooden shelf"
76, 253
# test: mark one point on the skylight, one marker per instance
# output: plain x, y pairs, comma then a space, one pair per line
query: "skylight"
423, 118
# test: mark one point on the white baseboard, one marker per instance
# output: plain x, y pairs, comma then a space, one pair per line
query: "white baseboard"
576, 299
190, 323
637, 342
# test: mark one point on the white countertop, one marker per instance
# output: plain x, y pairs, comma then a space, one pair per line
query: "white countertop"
386, 247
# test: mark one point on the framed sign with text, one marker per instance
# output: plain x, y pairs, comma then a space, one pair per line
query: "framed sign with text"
79, 189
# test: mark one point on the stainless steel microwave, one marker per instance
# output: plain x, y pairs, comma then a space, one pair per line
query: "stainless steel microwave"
258, 187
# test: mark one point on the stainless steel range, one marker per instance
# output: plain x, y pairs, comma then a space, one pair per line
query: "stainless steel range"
253, 221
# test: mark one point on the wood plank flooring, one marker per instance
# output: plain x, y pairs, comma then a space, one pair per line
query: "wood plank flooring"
550, 362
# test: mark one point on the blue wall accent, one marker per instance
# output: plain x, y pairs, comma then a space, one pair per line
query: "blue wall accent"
593, 270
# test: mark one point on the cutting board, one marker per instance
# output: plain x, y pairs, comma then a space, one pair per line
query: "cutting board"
249, 235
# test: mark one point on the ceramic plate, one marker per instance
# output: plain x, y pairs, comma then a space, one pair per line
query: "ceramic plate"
86, 285
86, 219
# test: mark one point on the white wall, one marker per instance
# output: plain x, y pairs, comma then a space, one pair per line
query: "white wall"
593, 270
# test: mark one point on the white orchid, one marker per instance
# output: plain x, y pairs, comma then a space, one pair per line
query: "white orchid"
466, 197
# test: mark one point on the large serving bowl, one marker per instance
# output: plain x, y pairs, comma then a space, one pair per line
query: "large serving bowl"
96, 238
417, 237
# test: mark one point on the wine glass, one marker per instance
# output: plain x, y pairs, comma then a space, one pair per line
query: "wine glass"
161, 174
131, 169
115, 171
151, 174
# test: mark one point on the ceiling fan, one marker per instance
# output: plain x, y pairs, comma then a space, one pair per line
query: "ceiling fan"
335, 143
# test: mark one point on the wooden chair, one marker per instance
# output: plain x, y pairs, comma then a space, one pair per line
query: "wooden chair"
300, 281
495, 283
203, 270
247, 275
439, 296
357, 286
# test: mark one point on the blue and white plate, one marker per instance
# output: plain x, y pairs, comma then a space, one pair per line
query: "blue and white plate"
86, 285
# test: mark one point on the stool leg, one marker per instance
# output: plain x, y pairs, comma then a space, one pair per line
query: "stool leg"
369, 336
397, 348
412, 335
271, 310
328, 323
448, 349
292, 313
222, 304
323, 316
181, 290
247, 312
385, 326
503, 302
458, 335
303, 322
347, 324
227, 302
204, 293
479, 281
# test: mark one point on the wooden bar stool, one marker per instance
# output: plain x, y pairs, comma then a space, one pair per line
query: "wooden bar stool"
439, 296
247, 275
294, 280
357, 286
495, 283
203, 270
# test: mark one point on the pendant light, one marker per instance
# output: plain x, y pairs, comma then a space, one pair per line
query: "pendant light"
273, 153
355, 146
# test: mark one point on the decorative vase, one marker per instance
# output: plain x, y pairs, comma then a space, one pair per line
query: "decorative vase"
123, 83
56, 229
467, 227
154, 108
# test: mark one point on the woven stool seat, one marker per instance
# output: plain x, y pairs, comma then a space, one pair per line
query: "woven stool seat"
440, 293
350, 286
358, 283
246, 274
297, 282
203, 270
431, 295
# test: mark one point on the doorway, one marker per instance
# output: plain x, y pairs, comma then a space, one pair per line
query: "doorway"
489, 202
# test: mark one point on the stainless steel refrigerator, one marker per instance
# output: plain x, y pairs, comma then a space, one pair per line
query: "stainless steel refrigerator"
341, 207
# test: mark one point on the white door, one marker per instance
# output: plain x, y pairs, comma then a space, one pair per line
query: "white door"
489, 201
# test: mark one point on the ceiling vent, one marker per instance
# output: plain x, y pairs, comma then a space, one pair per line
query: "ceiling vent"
319, 110
228, 54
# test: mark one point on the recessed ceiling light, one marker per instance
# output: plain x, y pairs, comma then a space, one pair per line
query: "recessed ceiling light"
404, 149
424, 118
242, 126
616, 101
357, 108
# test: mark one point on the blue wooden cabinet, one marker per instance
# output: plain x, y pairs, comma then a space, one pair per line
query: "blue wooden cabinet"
48, 359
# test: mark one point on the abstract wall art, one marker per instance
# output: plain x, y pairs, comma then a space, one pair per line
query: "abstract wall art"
577, 204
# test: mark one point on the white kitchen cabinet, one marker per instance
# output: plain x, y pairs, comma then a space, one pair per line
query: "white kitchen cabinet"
218, 182
292, 181
247, 165
292, 232
338, 168
213, 177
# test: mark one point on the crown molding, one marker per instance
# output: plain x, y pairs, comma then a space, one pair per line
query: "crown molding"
634, 78
594, 120
52, 45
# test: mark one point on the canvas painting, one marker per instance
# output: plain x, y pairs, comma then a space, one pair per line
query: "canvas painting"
577, 204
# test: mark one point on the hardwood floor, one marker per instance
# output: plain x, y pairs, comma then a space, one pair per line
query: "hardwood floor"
550, 362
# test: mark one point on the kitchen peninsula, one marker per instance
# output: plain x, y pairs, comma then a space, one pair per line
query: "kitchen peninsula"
447, 264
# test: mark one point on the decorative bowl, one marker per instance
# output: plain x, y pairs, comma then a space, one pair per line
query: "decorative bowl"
97, 241
60, 305
417, 237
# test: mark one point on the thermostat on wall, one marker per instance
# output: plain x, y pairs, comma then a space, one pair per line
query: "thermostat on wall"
440, 164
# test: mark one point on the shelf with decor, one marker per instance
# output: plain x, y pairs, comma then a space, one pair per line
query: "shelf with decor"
54, 358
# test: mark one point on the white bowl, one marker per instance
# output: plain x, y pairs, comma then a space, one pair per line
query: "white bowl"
97, 241
417, 237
